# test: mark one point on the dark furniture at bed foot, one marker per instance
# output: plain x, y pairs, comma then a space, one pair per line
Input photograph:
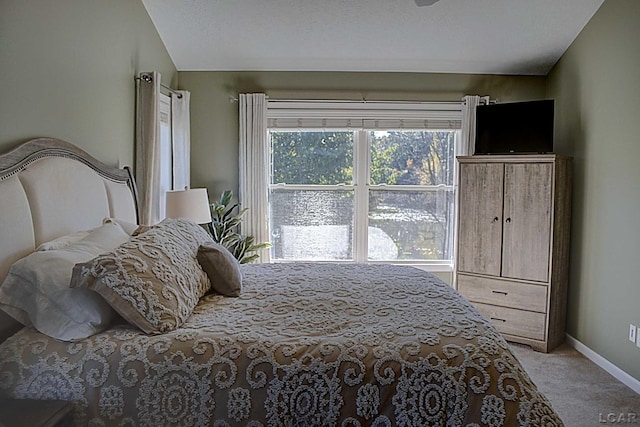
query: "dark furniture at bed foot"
35, 413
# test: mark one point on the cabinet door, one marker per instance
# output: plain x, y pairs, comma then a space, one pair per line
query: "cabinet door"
480, 226
527, 221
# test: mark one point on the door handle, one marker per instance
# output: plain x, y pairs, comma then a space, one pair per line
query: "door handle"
508, 219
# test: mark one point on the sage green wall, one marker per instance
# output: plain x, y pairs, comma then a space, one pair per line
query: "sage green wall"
596, 85
67, 70
214, 119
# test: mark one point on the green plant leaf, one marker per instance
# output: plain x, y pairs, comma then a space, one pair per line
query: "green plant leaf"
229, 211
259, 246
242, 212
224, 229
249, 259
225, 197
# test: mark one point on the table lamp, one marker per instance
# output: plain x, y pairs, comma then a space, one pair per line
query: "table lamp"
190, 203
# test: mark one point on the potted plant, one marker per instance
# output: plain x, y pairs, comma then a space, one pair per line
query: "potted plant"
224, 230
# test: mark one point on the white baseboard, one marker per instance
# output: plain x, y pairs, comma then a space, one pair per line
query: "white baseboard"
612, 369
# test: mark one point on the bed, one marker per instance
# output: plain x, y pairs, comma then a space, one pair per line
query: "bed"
305, 344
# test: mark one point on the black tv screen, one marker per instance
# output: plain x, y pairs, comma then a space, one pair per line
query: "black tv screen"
515, 128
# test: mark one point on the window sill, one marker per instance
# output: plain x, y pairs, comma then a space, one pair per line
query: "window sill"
433, 266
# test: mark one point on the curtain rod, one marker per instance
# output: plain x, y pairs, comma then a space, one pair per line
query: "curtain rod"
171, 91
233, 99
148, 79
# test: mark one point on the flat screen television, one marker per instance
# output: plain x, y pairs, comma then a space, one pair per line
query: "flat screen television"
515, 128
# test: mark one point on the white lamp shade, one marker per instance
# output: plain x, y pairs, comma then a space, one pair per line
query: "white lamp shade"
192, 203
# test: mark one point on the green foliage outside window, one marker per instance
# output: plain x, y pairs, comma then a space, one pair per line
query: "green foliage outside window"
397, 157
312, 158
412, 158
418, 221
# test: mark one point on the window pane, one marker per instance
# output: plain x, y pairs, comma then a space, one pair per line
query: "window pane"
412, 157
410, 225
312, 225
312, 157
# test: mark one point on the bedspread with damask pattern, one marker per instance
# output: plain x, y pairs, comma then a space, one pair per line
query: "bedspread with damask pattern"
305, 344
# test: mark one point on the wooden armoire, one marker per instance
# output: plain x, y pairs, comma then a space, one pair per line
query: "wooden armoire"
513, 243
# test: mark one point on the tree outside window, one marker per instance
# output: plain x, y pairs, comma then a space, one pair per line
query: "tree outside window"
320, 178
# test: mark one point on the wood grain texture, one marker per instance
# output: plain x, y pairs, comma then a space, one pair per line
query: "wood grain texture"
534, 247
560, 251
526, 324
507, 293
527, 221
480, 221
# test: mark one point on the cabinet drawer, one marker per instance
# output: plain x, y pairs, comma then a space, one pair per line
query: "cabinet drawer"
510, 321
503, 293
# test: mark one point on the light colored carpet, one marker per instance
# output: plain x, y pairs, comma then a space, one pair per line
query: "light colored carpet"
583, 394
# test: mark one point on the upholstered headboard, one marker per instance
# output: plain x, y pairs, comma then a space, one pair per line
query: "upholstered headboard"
49, 188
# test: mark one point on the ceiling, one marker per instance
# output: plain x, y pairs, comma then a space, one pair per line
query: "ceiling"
451, 36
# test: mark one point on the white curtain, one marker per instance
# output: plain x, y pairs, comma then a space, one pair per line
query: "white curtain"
148, 146
254, 168
467, 145
181, 137
469, 104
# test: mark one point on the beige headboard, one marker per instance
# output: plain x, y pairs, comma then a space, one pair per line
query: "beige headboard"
49, 188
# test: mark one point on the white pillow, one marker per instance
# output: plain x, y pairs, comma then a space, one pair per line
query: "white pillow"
68, 239
36, 290
127, 226
63, 241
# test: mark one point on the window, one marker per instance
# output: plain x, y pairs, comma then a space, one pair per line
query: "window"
382, 192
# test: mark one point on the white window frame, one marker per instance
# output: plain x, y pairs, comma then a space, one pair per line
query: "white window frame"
361, 118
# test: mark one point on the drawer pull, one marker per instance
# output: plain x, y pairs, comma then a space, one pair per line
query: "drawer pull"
499, 292
498, 319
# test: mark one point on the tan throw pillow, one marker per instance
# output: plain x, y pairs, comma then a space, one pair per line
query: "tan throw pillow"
154, 280
222, 268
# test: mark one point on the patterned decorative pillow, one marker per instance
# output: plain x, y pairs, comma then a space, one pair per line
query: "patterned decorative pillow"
222, 268
154, 280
